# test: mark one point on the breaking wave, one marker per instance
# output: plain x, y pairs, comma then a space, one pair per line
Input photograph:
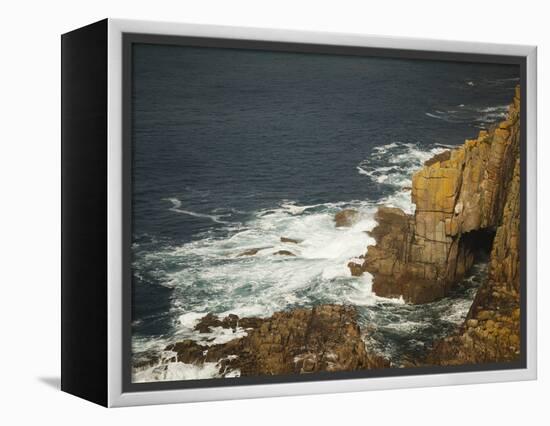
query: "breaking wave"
401, 161
479, 116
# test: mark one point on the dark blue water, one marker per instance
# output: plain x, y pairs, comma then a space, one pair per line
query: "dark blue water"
225, 138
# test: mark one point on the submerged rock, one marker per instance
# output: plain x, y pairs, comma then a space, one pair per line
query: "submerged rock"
252, 251
284, 253
346, 217
460, 200
324, 338
210, 320
290, 240
356, 269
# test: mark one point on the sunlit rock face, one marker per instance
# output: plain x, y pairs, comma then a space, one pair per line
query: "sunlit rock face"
462, 197
492, 331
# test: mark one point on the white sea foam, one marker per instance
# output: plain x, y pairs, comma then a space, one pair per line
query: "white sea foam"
386, 147
190, 319
457, 311
176, 207
177, 371
405, 326
402, 161
264, 283
148, 345
471, 114
492, 114
439, 117
219, 335
294, 209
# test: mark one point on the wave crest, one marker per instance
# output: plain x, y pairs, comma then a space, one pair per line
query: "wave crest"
176, 207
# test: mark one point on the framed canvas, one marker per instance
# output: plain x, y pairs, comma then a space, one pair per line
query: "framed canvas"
251, 212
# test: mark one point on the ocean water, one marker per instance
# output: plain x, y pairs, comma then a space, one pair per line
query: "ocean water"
234, 149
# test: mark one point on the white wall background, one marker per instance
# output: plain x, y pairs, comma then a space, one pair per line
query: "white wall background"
30, 195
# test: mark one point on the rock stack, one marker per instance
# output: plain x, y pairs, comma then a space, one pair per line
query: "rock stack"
463, 197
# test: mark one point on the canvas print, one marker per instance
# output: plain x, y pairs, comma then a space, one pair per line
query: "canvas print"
301, 213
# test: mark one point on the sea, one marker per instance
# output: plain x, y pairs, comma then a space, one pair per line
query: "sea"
234, 149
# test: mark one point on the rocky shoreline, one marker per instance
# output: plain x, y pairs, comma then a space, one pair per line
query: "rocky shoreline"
323, 338
467, 205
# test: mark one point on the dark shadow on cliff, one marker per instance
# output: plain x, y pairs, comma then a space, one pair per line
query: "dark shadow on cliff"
480, 243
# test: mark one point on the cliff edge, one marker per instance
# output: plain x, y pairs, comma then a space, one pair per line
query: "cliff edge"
467, 202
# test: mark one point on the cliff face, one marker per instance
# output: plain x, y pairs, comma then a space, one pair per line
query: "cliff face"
492, 331
464, 198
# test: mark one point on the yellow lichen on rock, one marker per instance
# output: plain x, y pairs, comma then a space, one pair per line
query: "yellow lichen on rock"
455, 193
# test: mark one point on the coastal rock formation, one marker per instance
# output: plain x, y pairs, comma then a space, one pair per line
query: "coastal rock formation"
461, 199
284, 253
252, 251
346, 217
231, 321
504, 264
492, 331
324, 338
290, 240
492, 334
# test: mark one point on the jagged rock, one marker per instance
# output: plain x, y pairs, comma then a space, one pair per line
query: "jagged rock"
188, 351
492, 331
252, 252
356, 269
250, 322
346, 217
230, 321
210, 320
284, 253
388, 260
324, 338
460, 200
290, 240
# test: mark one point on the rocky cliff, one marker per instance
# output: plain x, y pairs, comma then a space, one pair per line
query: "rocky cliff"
492, 331
464, 198
324, 338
